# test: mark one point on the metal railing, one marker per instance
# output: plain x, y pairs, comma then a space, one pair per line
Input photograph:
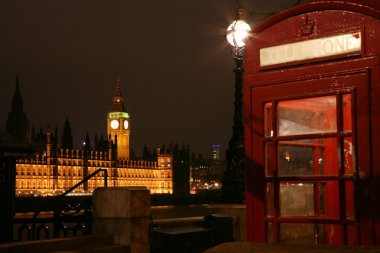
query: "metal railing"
74, 214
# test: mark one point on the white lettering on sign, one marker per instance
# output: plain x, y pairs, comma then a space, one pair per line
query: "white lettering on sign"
311, 49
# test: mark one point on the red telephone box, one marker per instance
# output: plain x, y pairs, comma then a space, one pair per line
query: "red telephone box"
312, 125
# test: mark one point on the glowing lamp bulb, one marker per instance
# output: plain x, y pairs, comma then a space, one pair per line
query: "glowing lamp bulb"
237, 33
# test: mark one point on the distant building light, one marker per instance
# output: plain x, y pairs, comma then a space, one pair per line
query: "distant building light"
215, 151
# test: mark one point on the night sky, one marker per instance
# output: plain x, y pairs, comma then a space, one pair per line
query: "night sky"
174, 64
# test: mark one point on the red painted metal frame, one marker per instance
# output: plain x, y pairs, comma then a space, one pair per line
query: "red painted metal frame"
368, 8
326, 75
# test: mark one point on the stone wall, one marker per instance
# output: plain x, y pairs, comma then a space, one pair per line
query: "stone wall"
125, 213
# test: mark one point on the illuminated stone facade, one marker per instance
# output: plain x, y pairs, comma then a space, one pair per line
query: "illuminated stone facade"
56, 170
51, 176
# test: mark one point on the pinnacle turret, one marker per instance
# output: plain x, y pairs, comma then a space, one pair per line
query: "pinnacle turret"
17, 102
17, 123
67, 138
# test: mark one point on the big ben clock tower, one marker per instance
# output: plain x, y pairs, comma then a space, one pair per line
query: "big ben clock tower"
118, 124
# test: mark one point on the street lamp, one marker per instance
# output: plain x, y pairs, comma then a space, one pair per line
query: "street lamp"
234, 180
238, 31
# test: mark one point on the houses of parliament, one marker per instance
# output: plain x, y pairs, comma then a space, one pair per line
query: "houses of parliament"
56, 166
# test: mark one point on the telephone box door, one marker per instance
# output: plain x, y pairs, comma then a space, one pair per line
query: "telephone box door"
305, 137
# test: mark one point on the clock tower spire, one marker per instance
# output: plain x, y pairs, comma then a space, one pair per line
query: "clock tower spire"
118, 123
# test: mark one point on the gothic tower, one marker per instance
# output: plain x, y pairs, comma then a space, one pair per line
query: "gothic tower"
17, 123
67, 138
118, 124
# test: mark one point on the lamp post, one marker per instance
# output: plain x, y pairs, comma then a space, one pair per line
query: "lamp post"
234, 182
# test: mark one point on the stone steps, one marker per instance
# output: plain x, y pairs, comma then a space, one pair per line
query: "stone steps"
80, 244
108, 249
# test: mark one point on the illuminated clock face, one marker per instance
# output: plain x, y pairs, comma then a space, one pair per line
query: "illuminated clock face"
126, 124
114, 124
